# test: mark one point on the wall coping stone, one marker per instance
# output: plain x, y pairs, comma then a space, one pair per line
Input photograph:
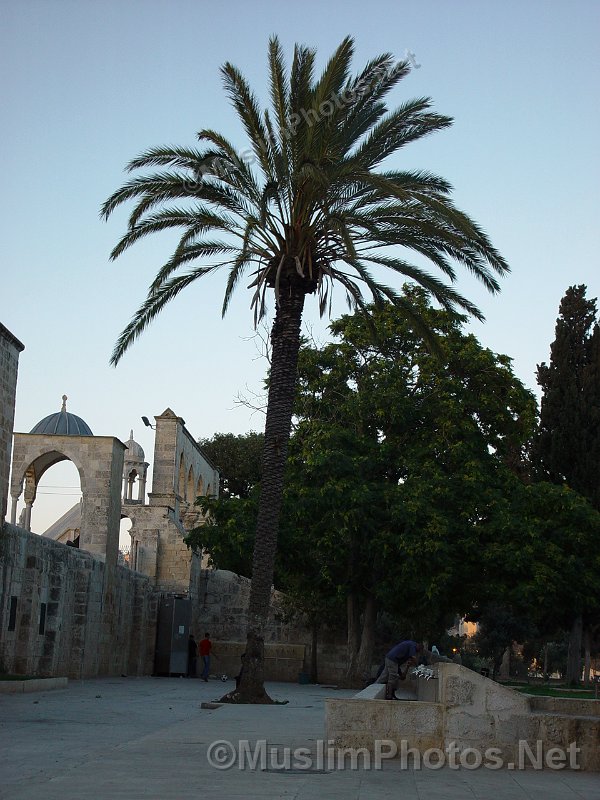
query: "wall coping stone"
32, 685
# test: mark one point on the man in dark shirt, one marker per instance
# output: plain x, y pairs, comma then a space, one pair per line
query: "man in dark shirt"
192, 657
405, 652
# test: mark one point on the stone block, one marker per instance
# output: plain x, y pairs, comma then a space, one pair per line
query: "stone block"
459, 692
463, 725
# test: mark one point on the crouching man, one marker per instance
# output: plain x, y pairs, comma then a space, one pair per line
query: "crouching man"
402, 654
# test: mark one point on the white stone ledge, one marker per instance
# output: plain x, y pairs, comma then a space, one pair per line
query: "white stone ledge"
375, 691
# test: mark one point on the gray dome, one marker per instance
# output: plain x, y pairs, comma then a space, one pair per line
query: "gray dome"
134, 450
63, 424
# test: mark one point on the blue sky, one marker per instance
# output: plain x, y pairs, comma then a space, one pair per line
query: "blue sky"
87, 85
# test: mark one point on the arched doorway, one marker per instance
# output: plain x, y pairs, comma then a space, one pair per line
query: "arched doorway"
56, 512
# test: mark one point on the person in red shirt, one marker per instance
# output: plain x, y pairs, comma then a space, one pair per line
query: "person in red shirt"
204, 650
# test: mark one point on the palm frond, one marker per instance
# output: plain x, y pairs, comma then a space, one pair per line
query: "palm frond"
248, 111
152, 306
315, 203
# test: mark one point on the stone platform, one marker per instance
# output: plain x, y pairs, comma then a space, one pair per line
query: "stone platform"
460, 708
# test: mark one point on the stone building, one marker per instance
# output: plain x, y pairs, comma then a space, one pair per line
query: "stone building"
113, 478
10, 347
67, 606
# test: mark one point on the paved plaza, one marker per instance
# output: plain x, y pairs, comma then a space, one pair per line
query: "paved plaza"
148, 738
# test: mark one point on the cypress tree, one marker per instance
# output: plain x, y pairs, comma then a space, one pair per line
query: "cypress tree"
568, 442
590, 479
568, 430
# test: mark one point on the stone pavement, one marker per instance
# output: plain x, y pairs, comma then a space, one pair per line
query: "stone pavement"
148, 738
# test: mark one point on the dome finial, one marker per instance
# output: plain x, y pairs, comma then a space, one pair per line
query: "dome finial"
131, 435
64, 405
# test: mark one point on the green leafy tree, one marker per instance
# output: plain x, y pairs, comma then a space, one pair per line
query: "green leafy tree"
400, 460
498, 627
238, 460
398, 463
569, 414
316, 207
548, 653
547, 567
568, 442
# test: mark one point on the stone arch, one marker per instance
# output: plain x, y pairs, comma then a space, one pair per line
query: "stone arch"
124, 532
200, 487
28, 476
99, 462
130, 480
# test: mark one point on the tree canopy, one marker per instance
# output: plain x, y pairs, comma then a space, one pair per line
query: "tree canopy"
238, 459
399, 470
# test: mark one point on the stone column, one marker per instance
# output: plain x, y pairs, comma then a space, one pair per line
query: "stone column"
142, 487
102, 457
28, 507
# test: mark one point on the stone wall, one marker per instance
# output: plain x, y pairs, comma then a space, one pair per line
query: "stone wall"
64, 612
219, 606
283, 662
470, 713
10, 347
158, 549
101, 619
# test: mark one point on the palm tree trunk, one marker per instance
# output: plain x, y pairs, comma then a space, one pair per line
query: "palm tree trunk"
285, 346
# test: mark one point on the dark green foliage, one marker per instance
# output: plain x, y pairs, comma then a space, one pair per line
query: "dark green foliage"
590, 402
228, 534
568, 443
546, 563
499, 626
405, 456
549, 653
238, 459
399, 471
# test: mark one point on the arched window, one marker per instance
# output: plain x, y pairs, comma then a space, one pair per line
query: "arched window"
181, 487
53, 494
191, 486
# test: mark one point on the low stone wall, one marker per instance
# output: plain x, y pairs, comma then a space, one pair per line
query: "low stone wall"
64, 612
471, 712
33, 685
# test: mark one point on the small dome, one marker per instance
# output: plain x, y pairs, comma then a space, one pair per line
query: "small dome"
134, 450
62, 423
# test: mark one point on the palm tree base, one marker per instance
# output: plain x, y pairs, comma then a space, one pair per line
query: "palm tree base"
237, 696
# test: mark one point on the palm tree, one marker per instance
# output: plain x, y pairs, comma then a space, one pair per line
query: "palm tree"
306, 207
